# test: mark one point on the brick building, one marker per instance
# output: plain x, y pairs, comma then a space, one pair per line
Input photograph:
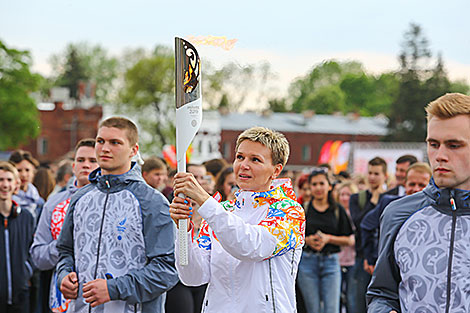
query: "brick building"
61, 128
306, 133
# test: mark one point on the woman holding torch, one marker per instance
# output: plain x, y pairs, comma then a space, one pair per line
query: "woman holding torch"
248, 248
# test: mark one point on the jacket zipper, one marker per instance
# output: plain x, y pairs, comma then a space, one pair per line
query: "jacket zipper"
8, 259
451, 252
100, 234
272, 287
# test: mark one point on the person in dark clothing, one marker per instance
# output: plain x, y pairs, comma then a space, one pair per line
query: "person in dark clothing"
16, 235
359, 204
417, 178
402, 165
327, 228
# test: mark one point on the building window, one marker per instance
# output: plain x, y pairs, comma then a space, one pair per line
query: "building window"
306, 153
43, 146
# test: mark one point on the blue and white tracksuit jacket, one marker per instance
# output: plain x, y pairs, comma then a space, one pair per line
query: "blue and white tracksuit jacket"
424, 254
119, 228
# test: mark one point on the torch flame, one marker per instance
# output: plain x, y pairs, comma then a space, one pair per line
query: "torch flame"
217, 41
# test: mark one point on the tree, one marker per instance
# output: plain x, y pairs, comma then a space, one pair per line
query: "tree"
420, 83
82, 62
19, 115
148, 94
343, 87
230, 86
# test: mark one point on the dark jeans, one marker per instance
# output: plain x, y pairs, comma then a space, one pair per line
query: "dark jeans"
348, 289
363, 280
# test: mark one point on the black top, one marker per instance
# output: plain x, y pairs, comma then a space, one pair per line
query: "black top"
327, 222
357, 214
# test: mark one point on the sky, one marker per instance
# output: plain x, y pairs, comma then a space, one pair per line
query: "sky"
293, 36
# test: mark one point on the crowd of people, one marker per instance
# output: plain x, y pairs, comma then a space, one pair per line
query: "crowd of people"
97, 233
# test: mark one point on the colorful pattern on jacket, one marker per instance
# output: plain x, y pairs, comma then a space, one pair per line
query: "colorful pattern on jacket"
285, 218
57, 301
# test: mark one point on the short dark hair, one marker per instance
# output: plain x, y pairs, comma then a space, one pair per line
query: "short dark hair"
85, 142
214, 166
64, 169
379, 161
20, 155
123, 123
153, 163
407, 158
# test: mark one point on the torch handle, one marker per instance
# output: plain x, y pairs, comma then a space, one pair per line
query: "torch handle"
183, 239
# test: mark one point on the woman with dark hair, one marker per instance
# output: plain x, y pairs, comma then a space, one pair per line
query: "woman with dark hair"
327, 228
304, 190
225, 183
44, 182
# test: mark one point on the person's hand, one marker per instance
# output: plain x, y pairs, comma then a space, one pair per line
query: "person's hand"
309, 241
320, 240
96, 292
368, 268
393, 311
69, 286
180, 209
186, 184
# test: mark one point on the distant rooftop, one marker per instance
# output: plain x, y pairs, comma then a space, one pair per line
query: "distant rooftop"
295, 122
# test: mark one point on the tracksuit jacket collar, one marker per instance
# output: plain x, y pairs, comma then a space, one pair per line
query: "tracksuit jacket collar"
442, 198
116, 182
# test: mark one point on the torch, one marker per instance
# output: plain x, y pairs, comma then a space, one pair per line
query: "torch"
188, 118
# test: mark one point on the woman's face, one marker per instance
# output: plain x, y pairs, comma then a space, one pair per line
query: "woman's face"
228, 184
253, 167
305, 191
320, 187
343, 196
26, 171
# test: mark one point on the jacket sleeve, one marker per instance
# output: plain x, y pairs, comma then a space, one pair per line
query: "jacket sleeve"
368, 229
282, 230
159, 274
66, 263
382, 294
197, 272
44, 252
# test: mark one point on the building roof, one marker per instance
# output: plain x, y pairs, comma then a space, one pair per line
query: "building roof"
296, 122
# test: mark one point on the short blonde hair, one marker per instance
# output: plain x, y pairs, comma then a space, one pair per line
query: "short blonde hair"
274, 141
448, 106
349, 184
420, 167
8, 167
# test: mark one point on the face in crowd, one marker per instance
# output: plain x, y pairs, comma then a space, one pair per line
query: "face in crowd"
26, 171
416, 181
400, 172
253, 166
376, 176
157, 177
448, 144
114, 150
84, 163
320, 187
8, 185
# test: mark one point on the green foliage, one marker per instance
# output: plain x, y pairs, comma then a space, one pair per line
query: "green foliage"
19, 114
343, 87
148, 94
420, 83
82, 62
